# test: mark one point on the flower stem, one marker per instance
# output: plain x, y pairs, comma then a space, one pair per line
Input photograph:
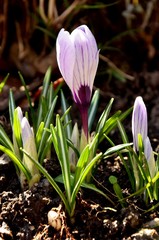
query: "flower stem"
84, 116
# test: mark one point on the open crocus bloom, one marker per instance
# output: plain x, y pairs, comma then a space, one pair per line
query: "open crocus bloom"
77, 58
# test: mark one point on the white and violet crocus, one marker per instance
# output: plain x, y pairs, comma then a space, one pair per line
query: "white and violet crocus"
29, 145
140, 126
77, 58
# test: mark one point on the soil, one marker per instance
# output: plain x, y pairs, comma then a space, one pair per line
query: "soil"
131, 69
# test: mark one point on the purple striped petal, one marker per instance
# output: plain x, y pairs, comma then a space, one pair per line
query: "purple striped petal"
139, 121
149, 155
78, 57
65, 56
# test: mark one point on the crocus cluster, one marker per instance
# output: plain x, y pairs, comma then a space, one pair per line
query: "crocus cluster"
77, 58
28, 144
140, 126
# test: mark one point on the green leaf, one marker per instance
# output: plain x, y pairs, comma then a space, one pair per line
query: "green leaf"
83, 176
28, 98
115, 149
4, 139
17, 129
50, 179
104, 117
11, 107
45, 134
16, 161
84, 185
93, 109
81, 163
39, 134
132, 169
94, 188
2, 84
44, 93
112, 122
67, 117
63, 156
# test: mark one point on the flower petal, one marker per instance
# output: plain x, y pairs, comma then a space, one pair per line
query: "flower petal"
149, 155
65, 56
139, 121
87, 58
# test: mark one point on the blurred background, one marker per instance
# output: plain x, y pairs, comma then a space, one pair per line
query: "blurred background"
126, 31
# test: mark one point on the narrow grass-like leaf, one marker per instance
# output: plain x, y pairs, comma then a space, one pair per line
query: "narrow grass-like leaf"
94, 188
2, 84
93, 109
104, 117
50, 95
55, 141
81, 163
71, 145
46, 149
111, 123
82, 177
50, 179
67, 117
156, 184
11, 107
46, 83
115, 149
17, 129
84, 185
4, 139
130, 169
45, 134
16, 161
28, 98
63, 155
39, 134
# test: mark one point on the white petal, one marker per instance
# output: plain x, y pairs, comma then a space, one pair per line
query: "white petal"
139, 121
65, 56
149, 155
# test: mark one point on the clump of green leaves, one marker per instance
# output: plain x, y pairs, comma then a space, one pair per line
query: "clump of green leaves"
140, 163
35, 139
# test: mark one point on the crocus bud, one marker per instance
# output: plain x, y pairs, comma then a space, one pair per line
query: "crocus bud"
139, 126
149, 155
77, 58
75, 140
139, 121
30, 147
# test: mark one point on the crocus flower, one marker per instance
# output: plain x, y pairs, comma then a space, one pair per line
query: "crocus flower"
76, 142
149, 155
139, 126
77, 58
139, 121
28, 143
30, 147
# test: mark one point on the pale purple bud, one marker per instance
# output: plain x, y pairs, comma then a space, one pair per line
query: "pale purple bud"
30, 147
28, 138
149, 155
139, 121
20, 114
76, 143
78, 57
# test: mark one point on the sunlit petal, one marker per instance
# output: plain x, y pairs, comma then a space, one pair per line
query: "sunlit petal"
65, 56
139, 121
